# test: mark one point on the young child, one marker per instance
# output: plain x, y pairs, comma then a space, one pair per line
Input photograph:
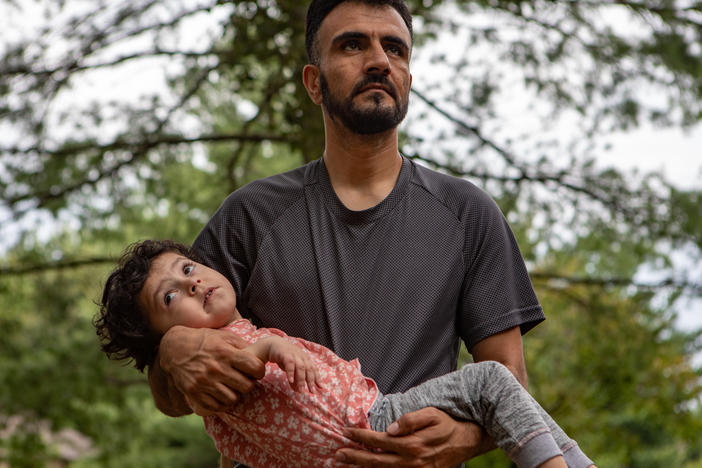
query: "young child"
296, 414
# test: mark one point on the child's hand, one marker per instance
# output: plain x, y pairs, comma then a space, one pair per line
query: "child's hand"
295, 361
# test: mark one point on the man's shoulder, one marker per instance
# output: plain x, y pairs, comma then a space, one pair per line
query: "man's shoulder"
455, 193
276, 190
289, 183
261, 202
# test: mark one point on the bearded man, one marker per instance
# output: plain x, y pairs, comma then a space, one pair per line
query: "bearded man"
363, 251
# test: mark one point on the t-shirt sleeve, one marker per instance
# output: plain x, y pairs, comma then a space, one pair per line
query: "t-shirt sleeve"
497, 293
229, 242
226, 244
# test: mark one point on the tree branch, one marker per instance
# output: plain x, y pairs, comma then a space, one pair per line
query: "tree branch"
524, 176
71, 149
138, 150
19, 270
593, 281
474, 130
26, 69
614, 281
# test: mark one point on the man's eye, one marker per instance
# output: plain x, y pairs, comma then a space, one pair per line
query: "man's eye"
187, 269
351, 45
393, 49
168, 297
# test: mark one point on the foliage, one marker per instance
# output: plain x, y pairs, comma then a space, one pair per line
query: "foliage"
613, 371
87, 169
53, 372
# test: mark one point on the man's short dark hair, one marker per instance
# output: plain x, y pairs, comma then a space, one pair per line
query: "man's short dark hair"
319, 9
121, 324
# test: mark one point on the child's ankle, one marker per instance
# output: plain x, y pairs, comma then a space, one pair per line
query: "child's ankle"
555, 462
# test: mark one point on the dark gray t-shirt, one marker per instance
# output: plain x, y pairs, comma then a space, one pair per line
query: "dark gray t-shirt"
396, 286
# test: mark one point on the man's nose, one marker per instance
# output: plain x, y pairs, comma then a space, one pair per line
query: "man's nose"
377, 60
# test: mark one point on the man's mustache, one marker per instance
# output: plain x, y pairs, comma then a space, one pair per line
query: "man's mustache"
371, 79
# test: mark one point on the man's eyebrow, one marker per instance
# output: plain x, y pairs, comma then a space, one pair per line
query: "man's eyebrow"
396, 40
392, 39
173, 264
346, 35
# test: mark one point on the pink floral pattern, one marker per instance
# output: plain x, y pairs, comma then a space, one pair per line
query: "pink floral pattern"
275, 426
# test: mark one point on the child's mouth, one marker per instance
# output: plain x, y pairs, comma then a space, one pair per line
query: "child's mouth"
207, 296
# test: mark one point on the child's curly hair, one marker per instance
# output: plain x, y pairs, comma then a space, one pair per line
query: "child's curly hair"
122, 326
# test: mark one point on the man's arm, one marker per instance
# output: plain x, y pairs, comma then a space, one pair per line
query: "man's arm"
429, 437
168, 399
201, 368
505, 348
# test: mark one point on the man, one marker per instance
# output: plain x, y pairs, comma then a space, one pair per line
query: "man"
362, 251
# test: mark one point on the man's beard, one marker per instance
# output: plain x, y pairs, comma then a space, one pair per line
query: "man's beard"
365, 122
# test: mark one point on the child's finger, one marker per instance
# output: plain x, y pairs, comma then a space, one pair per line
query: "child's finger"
300, 378
290, 371
311, 379
318, 382
314, 380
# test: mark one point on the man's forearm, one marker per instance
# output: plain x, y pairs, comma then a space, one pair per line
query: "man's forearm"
168, 399
484, 443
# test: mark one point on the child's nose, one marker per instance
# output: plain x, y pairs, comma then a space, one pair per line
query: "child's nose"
193, 286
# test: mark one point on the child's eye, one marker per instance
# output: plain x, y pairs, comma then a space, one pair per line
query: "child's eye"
187, 269
168, 297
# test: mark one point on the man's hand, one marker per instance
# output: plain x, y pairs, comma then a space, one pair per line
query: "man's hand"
428, 437
208, 367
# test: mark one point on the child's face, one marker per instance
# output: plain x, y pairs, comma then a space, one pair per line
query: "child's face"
179, 291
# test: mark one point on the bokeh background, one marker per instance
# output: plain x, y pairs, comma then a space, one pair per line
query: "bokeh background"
121, 121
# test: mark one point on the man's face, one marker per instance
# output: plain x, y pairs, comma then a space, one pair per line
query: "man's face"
364, 77
179, 291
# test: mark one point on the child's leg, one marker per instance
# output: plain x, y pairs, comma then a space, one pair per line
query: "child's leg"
488, 394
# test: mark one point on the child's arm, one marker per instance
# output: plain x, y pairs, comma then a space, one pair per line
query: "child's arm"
292, 359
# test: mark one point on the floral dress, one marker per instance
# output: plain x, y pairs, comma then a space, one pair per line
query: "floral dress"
275, 426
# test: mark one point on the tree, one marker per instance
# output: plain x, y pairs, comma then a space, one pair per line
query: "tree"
64, 153
155, 161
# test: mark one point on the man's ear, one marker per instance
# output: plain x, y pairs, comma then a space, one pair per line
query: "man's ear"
310, 78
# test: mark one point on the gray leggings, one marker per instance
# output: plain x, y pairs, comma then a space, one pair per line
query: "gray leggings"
488, 394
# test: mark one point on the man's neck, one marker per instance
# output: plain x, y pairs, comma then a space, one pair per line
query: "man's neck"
363, 169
